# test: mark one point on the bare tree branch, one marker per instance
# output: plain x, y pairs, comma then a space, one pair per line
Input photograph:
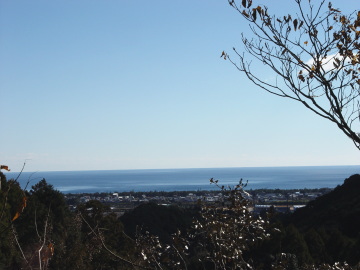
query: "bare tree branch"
315, 53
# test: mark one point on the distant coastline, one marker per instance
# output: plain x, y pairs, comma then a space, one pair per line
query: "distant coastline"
291, 177
190, 168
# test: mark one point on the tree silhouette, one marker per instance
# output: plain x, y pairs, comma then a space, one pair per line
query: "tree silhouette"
314, 53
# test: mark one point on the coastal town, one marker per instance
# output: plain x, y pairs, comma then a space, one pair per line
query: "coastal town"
260, 200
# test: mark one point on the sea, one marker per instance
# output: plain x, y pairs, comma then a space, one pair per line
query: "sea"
297, 177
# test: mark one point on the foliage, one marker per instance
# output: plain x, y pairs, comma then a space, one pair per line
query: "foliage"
221, 235
227, 236
158, 255
326, 231
102, 238
227, 229
162, 221
46, 235
339, 209
10, 199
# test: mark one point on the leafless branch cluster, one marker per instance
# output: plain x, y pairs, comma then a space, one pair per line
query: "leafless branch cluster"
224, 231
229, 228
314, 55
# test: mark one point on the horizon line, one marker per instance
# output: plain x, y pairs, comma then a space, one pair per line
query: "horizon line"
183, 168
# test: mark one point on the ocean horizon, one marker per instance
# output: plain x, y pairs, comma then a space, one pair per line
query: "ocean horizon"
189, 179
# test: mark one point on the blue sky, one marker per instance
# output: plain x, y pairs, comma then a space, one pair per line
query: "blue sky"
95, 85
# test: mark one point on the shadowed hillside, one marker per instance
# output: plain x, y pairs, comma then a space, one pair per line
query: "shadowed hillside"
339, 209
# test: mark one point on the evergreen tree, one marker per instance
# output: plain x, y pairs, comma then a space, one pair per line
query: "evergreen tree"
294, 243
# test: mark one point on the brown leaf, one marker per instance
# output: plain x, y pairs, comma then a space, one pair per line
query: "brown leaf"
4, 167
17, 215
254, 14
243, 3
20, 209
301, 24
295, 24
51, 247
259, 9
24, 200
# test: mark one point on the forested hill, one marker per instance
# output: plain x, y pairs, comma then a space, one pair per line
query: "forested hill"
37, 227
326, 230
339, 209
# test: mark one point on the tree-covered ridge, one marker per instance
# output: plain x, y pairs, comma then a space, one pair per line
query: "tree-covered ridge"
47, 235
339, 209
219, 235
325, 231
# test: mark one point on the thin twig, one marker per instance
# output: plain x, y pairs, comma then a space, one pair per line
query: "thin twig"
108, 250
18, 244
44, 241
181, 257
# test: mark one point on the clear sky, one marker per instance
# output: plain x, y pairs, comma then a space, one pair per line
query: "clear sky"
122, 84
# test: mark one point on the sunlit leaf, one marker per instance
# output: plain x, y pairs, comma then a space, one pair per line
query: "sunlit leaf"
4, 167
17, 215
51, 248
259, 9
20, 209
